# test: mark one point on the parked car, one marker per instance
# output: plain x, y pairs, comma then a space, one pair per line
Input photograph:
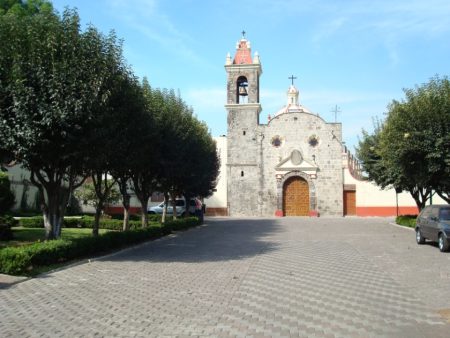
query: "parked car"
433, 223
194, 204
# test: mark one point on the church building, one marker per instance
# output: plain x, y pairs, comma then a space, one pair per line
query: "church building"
295, 164
291, 166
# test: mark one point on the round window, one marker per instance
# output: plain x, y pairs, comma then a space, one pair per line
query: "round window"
313, 141
276, 141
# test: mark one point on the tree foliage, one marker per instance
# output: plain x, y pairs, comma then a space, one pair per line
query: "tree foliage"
70, 108
54, 78
411, 149
6, 195
87, 194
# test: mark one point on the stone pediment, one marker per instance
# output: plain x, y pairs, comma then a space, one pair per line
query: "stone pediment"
295, 161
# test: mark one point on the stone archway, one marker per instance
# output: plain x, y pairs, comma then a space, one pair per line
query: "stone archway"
296, 197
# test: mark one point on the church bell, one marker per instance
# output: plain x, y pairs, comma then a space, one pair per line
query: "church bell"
242, 91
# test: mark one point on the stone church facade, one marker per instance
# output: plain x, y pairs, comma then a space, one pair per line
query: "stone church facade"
291, 166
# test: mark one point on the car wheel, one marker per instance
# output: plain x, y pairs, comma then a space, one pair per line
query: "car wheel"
419, 238
151, 212
183, 214
443, 243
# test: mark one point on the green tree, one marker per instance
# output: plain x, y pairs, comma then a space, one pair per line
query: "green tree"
411, 150
24, 8
52, 80
144, 160
129, 112
88, 195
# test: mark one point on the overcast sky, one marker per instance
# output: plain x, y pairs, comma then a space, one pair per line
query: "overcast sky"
357, 55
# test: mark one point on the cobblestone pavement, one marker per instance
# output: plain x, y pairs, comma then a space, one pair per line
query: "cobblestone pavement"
290, 277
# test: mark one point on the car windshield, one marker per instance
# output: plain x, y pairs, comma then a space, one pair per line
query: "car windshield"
444, 214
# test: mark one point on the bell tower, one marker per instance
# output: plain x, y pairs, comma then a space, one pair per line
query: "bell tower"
243, 139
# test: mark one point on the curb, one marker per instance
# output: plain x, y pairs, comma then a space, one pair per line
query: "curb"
401, 226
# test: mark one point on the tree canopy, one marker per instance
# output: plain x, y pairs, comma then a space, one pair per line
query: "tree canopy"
410, 150
71, 108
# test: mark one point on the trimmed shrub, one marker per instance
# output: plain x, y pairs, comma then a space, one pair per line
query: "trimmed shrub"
14, 261
133, 217
406, 220
6, 222
24, 259
79, 222
31, 222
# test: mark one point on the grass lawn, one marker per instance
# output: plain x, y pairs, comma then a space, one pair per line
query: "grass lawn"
23, 236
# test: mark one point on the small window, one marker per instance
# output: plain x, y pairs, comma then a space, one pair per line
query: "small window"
242, 173
180, 203
243, 133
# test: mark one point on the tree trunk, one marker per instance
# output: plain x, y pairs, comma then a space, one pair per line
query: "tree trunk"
125, 202
187, 201
174, 205
47, 225
126, 219
98, 213
420, 196
144, 212
53, 198
166, 202
126, 210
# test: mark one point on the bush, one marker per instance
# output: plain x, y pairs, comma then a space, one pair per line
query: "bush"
28, 258
79, 222
6, 195
31, 222
133, 217
6, 222
406, 220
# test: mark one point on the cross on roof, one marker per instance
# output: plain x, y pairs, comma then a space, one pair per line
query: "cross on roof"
243, 34
292, 78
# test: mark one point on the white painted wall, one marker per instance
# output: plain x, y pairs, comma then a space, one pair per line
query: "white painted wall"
219, 198
368, 194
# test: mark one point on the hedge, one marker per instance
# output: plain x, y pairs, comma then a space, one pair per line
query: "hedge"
6, 222
406, 220
78, 222
25, 259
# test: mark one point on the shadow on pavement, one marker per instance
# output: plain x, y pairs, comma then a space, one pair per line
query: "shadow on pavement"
218, 239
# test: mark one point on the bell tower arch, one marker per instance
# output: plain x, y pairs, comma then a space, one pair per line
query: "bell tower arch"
243, 109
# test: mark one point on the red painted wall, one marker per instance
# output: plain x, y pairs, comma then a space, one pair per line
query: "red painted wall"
386, 211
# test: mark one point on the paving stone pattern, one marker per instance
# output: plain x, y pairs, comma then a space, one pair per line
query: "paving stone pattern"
290, 277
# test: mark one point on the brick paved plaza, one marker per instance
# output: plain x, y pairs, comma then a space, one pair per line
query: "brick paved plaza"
290, 277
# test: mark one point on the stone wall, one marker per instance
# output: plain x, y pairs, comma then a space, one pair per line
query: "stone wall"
295, 131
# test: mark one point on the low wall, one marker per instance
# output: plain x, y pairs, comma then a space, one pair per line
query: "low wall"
386, 211
216, 211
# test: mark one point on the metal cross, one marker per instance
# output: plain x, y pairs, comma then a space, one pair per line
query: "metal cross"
336, 110
243, 34
292, 78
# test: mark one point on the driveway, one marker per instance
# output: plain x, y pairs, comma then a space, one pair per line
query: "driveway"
284, 277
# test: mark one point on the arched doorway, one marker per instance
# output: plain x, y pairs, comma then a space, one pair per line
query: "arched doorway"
296, 197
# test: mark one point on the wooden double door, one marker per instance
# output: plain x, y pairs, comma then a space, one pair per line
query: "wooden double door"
296, 197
